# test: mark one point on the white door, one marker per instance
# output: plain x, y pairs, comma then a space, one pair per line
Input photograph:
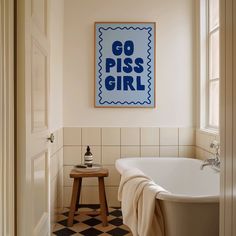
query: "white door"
32, 118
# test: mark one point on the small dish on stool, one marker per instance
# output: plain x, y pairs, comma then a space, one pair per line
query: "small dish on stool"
84, 168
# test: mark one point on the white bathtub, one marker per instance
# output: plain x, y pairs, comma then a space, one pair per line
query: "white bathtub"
191, 204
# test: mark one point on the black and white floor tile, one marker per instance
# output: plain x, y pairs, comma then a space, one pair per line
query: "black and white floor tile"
87, 224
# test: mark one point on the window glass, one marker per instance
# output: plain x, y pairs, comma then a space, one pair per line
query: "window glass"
213, 65
214, 55
213, 14
214, 103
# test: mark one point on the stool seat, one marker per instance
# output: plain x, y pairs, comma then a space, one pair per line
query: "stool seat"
97, 173
78, 176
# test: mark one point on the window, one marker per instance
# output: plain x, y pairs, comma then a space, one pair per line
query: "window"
210, 75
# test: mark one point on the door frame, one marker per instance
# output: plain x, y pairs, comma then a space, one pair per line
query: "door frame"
7, 174
228, 118
32, 123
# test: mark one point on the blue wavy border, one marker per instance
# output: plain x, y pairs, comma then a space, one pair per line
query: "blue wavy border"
149, 29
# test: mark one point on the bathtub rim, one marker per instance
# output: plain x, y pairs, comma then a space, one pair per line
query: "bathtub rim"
170, 196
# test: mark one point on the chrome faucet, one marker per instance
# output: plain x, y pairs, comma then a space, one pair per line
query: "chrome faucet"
215, 161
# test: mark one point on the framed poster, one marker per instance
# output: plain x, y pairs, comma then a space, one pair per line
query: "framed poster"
125, 64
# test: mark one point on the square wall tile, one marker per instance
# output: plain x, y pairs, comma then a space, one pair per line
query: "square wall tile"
130, 151
90, 181
67, 181
217, 138
72, 155
91, 136
186, 136
168, 136
199, 153
187, 151
72, 136
169, 151
202, 154
90, 195
199, 138
150, 136
110, 154
112, 196
67, 196
130, 136
204, 139
111, 136
150, 151
96, 151
114, 177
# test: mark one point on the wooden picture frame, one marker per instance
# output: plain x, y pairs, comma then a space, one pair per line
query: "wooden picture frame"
125, 64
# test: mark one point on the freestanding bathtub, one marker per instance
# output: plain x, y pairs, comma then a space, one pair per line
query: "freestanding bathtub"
191, 204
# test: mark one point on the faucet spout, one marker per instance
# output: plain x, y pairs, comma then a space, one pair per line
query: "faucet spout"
215, 161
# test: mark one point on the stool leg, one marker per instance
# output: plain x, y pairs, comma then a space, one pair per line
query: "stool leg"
79, 191
102, 198
73, 202
106, 202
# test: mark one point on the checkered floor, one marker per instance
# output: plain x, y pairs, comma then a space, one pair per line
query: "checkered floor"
86, 224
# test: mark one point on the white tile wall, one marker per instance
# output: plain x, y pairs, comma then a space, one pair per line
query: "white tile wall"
168, 136
187, 136
111, 136
89, 194
203, 141
202, 154
72, 136
130, 151
91, 136
150, 151
72, 155
169, 151
113, 178
130, 136
112, 193
110, 144
150, 136
110, 154
187, 151
66, 172
90, 181
67, 196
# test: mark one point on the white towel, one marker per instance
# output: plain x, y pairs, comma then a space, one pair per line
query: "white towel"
140, 208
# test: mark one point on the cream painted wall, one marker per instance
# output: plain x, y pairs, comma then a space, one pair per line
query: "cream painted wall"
56, 64
175, 73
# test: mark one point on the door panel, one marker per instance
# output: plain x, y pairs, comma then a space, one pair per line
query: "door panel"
39, 14
39, 187
39, 88
32, 122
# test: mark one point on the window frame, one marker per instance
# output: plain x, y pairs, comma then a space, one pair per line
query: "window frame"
205, 81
